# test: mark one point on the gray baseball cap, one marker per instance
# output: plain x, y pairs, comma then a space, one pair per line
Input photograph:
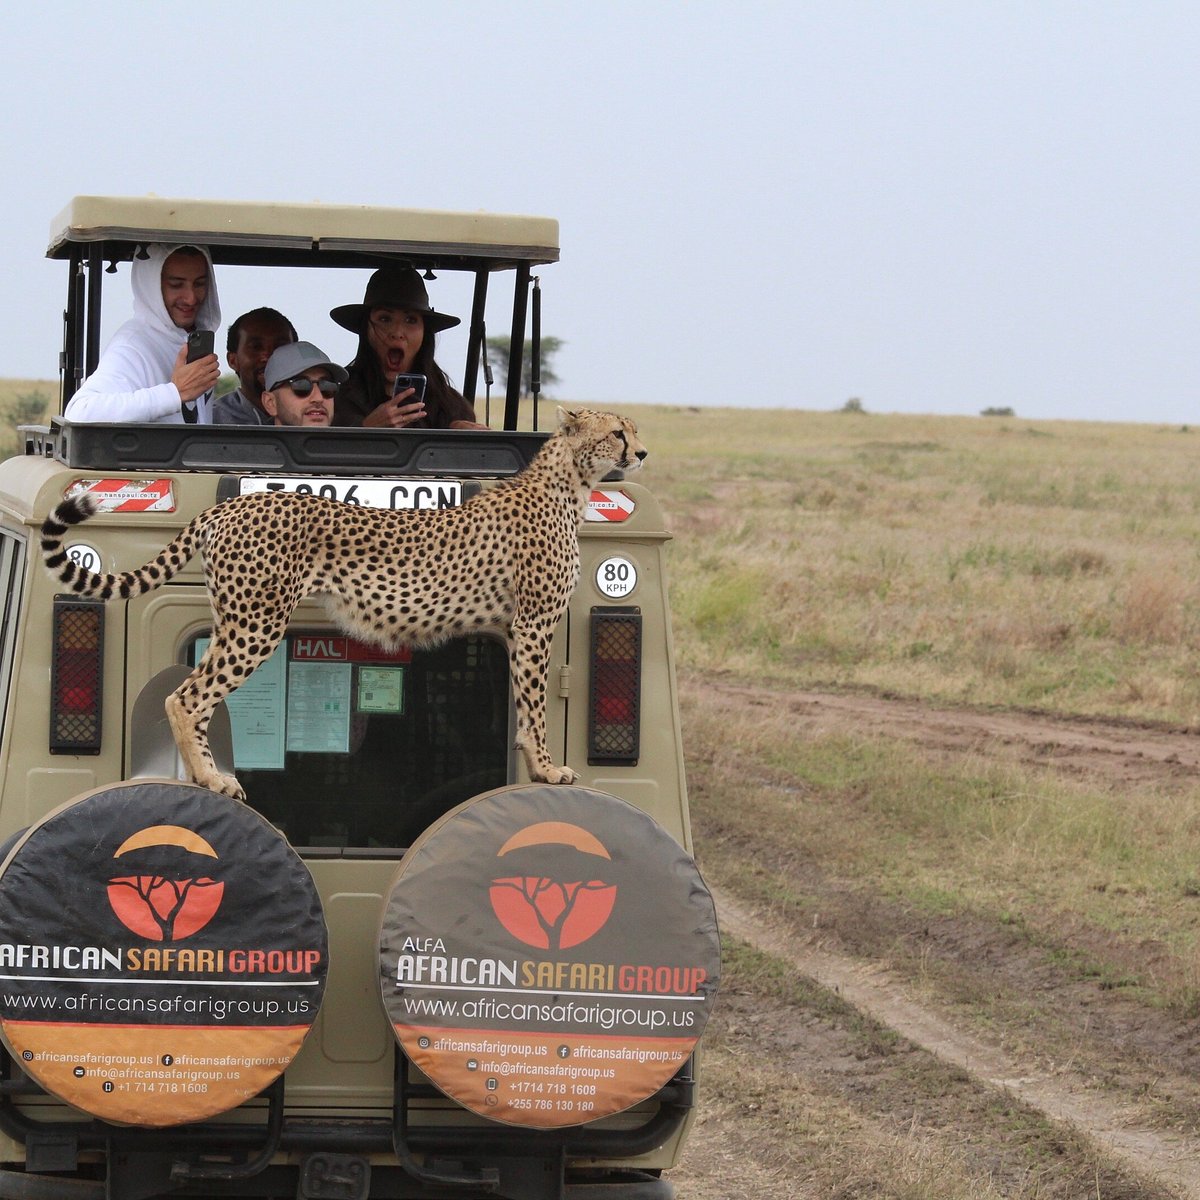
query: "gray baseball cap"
296, 357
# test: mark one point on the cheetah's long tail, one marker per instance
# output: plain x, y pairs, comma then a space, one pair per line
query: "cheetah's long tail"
167, 563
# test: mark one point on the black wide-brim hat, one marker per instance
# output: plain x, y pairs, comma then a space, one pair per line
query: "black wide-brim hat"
392, 287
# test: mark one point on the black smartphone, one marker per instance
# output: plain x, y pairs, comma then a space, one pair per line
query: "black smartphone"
200, 344
403, 382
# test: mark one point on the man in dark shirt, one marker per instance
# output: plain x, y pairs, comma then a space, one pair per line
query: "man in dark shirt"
252, 339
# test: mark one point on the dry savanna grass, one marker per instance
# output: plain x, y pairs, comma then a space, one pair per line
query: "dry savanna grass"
12, 390
960, 561
1107, 876
23, 402
1047, 565
854, 1111
977, 561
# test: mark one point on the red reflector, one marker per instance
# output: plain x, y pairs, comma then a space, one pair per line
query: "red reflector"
77, 668
614, 710
77, 699
614, 696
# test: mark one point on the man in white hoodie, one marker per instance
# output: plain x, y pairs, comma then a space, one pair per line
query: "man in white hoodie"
143, 374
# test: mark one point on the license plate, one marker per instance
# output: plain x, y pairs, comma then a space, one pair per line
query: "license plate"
370, 493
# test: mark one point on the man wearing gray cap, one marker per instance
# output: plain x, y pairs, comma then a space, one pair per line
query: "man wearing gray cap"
300, 383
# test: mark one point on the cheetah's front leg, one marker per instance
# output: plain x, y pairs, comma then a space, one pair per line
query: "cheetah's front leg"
529, 661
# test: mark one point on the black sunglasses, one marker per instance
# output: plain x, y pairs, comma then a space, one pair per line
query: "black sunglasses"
302, 386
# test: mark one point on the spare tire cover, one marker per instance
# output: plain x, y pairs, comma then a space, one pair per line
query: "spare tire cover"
549, 955
162, 953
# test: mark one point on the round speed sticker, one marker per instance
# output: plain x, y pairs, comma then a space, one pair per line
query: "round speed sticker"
85, 556
616, 577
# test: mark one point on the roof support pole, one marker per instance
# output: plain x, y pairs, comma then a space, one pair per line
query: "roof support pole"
512, 398
95, 283
535, 348
475, 338
71, 360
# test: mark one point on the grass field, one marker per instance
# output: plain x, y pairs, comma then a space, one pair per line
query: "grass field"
967, 560
995, 563
1049, 567
23, 402
979, 561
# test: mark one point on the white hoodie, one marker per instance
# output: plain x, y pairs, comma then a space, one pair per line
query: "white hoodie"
132, 381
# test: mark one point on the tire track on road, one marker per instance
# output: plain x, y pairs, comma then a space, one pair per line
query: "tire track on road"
1170, 1159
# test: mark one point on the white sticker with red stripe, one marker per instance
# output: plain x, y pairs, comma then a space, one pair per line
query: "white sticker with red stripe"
128, 495
606, 504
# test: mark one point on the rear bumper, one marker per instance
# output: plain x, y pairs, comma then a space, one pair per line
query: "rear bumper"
408, 1155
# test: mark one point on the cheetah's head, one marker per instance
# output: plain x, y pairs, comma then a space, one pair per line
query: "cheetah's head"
601, 441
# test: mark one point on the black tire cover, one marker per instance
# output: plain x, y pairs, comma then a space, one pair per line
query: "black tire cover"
163, 953
549, 955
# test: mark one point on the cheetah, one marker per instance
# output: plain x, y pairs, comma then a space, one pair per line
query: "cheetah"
505, 562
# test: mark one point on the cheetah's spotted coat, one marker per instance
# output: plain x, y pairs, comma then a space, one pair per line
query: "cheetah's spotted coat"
506, 561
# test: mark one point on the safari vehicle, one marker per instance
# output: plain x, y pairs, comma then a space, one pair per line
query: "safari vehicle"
81, 690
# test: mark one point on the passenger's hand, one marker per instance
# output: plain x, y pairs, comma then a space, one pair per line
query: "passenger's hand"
397, 412
193, 379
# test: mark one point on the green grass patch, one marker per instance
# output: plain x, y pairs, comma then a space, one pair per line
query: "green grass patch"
1052, 564
1105, 878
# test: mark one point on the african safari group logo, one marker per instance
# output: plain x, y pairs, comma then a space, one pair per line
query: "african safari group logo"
164, 884
552, 888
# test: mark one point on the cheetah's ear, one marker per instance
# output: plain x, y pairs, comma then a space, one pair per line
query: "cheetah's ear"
567, 420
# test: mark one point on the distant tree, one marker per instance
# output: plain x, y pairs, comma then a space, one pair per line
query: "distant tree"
853, 405
997, 412
226, 383
25, 408
498, 356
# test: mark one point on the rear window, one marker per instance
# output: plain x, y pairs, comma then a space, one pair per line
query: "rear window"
340, 744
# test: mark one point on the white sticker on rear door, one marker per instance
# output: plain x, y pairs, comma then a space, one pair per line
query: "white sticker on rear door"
616, 577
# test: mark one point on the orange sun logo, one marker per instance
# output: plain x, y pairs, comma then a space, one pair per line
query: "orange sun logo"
164, 887
553, 890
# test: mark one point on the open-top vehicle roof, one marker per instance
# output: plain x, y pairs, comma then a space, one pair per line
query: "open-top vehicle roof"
250, 231
93, 231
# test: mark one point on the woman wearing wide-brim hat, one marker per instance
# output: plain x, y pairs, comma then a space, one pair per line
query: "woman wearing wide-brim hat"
396, 329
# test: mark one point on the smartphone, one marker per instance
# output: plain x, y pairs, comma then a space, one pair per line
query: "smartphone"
200, 344
403, 382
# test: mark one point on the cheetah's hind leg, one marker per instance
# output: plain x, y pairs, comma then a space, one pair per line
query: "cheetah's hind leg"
190, 707
189, 710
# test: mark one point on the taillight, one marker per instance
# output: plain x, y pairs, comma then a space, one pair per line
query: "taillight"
76, 676
614, 697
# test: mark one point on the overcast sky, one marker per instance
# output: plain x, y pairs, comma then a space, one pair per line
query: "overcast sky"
931, 207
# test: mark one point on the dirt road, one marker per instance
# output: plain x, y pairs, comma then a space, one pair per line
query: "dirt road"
1120, 751
1145, 1154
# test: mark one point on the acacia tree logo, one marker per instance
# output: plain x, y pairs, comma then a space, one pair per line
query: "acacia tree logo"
165, 886
555, 886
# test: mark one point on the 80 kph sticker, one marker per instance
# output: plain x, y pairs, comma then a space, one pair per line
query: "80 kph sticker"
616, 577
